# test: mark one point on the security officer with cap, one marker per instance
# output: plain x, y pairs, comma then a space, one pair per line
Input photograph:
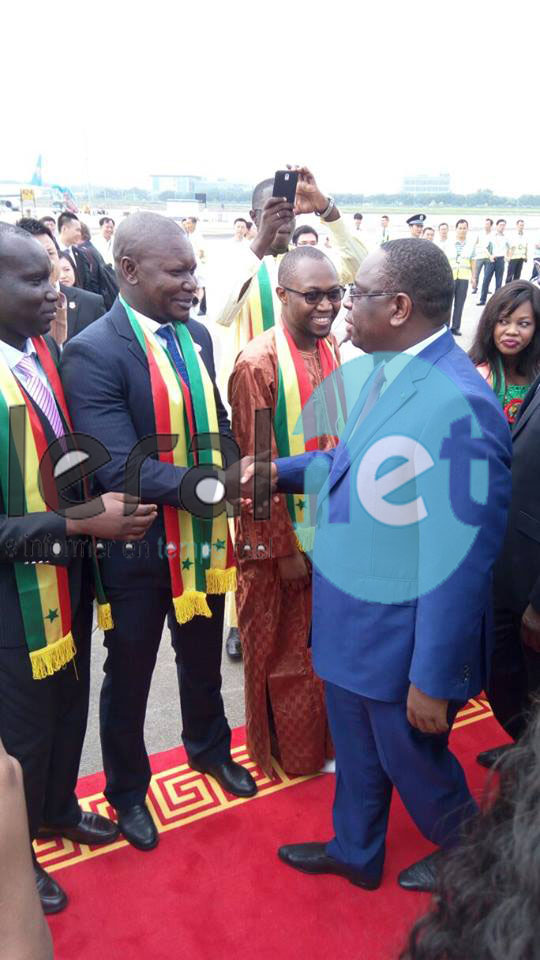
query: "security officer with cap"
416, 224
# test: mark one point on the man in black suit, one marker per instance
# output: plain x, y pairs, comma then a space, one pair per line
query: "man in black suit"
82, 307
107, 381
43, 721
515, 672
102, 276
69, 239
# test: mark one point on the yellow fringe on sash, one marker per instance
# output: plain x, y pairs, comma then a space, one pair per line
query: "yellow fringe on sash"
191, 604
49, 659
220, 581
104, 616
305, 538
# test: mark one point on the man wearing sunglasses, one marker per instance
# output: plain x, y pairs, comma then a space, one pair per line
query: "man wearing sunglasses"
402, 607
250, 304
278, 371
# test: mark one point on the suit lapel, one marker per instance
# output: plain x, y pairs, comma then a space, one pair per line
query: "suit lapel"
120, 321
399, 391
394, 397
531, 404
72, 315
121, 324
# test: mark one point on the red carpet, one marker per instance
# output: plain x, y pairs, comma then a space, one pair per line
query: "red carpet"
214, 888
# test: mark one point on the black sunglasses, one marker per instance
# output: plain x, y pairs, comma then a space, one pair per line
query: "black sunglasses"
313, 297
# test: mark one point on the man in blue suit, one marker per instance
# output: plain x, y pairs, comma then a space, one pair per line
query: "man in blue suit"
411, 514
107, 380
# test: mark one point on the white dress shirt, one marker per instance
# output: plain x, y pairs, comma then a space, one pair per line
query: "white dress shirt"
12, 356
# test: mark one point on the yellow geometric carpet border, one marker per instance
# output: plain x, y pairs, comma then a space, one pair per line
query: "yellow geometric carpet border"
180, 796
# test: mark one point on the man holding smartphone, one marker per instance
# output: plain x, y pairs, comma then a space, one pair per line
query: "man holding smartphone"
251, 305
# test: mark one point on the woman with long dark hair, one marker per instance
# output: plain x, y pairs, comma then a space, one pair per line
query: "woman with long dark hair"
506, 349
487, 902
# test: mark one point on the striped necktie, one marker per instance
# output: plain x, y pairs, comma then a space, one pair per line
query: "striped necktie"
40, 393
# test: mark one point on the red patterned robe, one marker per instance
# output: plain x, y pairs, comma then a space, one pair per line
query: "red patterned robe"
285, 711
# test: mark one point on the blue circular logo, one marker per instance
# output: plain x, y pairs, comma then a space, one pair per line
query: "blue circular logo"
393, 510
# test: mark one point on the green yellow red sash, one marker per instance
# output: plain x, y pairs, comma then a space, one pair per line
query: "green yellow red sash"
43, 588
200, 552
260, 304
294, 392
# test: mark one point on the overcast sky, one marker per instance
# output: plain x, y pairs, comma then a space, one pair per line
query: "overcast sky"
362, 92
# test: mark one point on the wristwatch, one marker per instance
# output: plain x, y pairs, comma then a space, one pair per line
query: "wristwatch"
327, 210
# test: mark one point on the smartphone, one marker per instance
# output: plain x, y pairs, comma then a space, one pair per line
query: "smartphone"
285, 182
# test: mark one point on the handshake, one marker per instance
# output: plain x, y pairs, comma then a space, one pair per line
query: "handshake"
258, 482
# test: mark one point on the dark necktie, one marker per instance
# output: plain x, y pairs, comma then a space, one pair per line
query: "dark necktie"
167, 334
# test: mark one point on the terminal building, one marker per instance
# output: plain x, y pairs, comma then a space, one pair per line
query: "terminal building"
185, 185
424, 184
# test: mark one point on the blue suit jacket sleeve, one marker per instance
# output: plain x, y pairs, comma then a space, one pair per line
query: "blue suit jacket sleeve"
96, 387
291, 471
451, 620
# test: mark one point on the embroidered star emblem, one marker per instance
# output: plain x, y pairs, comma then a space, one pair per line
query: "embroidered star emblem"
219, 544
300, 504
52, 615
186, 564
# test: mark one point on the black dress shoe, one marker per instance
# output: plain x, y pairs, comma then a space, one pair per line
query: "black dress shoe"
137, 826
422, 875
92, 829
52, 897
481, 303
233, 645
233, 777
457, 333
313, 858
489, 758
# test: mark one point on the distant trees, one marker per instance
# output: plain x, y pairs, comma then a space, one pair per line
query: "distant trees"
238, 193
481, 198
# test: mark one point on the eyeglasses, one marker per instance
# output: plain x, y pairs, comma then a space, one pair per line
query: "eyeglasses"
355, 294
314, 297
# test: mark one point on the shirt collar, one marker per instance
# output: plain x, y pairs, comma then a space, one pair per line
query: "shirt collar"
394, 366
146, 322
155, 327
12, 356
418, 347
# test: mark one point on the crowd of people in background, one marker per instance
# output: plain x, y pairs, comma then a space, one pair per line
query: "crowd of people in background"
123, 315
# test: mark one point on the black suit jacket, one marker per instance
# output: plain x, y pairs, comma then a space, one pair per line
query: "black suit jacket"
81, 266
107, 385
517, 574
28, 539
82, 309
102, 277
